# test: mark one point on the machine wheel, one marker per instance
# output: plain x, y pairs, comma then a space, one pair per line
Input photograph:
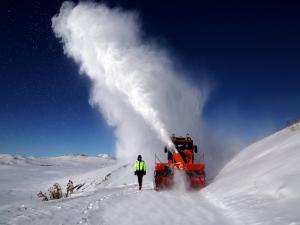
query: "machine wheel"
154, 182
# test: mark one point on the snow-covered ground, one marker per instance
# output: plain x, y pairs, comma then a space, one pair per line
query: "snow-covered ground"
261, 185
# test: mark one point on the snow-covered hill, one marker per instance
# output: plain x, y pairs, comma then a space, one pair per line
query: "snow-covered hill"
259, 186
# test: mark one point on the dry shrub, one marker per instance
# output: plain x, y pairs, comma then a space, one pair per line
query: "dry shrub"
42, 196
55, 191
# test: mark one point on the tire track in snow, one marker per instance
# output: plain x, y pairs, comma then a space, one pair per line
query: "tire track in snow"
127, 205
95, 204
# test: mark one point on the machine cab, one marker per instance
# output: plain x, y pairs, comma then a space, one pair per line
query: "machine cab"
185, 147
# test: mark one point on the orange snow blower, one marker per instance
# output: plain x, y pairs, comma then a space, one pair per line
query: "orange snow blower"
180, 158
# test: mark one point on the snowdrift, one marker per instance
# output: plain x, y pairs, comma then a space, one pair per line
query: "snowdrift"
261, 185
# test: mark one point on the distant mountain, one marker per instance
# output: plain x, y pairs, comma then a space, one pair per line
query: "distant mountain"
8, 159
106, 156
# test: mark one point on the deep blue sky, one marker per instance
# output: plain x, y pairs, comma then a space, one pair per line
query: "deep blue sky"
250, 52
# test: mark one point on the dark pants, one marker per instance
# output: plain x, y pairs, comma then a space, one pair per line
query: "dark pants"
140, 175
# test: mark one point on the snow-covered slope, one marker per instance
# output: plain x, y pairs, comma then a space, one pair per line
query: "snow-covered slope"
22, 177
259, 186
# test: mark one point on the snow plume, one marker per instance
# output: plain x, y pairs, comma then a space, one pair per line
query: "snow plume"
134, 83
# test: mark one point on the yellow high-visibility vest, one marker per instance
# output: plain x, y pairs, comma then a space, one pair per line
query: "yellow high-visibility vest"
140, 166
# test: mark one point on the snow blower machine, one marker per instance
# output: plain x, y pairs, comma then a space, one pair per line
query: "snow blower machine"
181, 159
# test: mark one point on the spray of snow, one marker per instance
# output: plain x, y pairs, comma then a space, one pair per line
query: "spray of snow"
180, 182
134, 82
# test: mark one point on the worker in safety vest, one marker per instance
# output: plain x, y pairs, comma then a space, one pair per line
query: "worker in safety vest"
140, 170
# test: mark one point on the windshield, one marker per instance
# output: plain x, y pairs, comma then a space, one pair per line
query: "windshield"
180, 146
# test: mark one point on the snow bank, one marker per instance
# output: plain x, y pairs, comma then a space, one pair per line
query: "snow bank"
271, 166
261, 184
